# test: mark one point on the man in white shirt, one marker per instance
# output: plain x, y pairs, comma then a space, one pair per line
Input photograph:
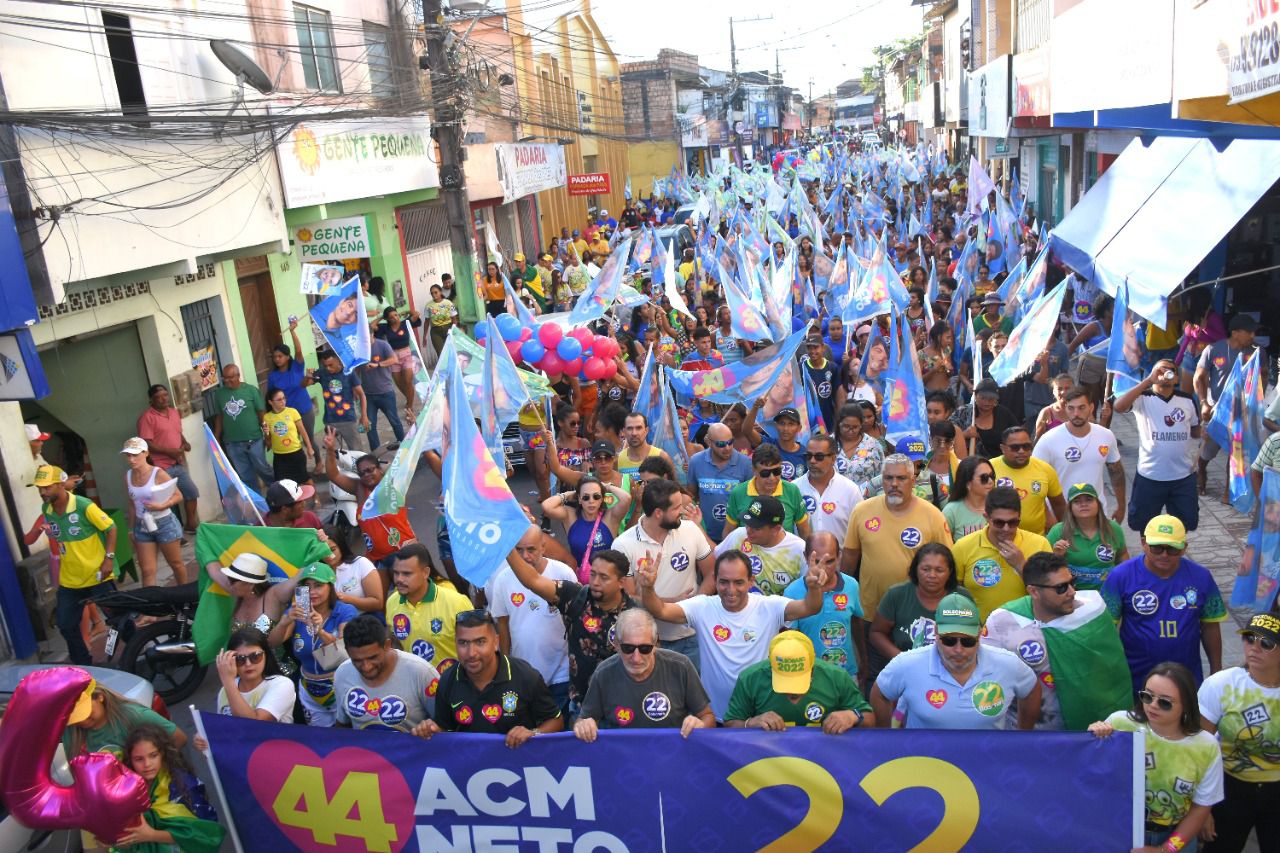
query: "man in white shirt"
829, 497
528, 627
1080, 451
733, 626
678, 551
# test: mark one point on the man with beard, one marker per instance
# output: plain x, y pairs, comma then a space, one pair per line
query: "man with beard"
1080, 450
989, 561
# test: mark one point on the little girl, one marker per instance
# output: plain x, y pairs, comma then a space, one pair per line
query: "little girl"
180, 817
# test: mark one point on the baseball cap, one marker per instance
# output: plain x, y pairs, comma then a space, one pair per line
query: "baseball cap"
603, 447
48, 475
604, 213
1243, 323
1081, 489
787, 412
134, 446
576, 232
957, 614
84, 703
910, 446
283, 493
249, 568
34, 433
1264, 625
987, 386
546, 257
1166, 530
763, 511
317, 572
791, 659
992, 298
519, 256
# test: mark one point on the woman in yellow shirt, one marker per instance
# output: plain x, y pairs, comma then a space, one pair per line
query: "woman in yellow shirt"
290, 444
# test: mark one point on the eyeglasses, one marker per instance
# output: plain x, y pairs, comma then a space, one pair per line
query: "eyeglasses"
367, 472
722, 444
817, 457
1059, 588
1266, 643
985, 478
632, 648
1164, 549
770, 472
1149, 698
950, 642
251, 657
1004, 522
1022, 445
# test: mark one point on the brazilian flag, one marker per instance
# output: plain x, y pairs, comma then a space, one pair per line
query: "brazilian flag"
286, 550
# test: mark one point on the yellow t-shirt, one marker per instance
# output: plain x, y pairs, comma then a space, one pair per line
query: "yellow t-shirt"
1036, 483
986, 574
580, 246
427, 628
283, 428
80, 534
888, 541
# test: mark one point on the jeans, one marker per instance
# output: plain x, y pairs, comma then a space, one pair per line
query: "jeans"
70, 606
348, 435
687, 646
249, 458
385, 403
186, 485
560, 695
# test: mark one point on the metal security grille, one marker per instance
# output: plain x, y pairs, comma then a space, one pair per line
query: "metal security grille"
423, 225
197, 322
504, 216
528, 207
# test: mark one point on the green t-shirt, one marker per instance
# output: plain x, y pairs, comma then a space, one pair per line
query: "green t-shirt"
1090, 559
913, 625
741, 495
239, 409
831, 689
1180, 773
962, 520
111, 738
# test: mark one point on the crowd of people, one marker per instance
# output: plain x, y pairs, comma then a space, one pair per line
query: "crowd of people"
801, 570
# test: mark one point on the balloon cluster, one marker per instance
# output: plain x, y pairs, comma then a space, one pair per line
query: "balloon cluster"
781, 160
552, 350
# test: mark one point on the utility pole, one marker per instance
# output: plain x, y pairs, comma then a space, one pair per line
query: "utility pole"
737, 85
810, 106
445, 83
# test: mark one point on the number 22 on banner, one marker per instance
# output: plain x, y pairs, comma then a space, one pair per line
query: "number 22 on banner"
826, 803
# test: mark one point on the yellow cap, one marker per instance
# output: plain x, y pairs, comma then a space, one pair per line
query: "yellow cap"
1166, 530
791, 659
48, 475
84, 705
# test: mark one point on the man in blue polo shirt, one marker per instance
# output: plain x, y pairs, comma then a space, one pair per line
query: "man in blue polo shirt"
956, 683
713, 473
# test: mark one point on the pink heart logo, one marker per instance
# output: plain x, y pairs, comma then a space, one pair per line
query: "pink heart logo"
272, 764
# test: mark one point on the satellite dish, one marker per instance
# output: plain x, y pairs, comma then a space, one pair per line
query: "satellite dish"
239, 64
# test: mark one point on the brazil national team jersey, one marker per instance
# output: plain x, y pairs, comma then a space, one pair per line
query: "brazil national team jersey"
1160, 617
427, 628
79, 533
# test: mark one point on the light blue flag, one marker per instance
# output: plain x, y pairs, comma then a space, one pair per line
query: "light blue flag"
242, 504
502, 394
626, 190
931, 287
747, 321
1028, 288
1029, 338
1218, 427
666, 431
646, 398
481, 514
1236, 426
515, 307
742, 381
658, 260
1256, 591
904, 406
601, 291
1124, 353
341, 318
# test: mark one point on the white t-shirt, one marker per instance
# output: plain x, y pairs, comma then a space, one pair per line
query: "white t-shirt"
772, 568
829, 511
351, 576
537, 631
1080, 460
1165, 445
677, 558
728, 642
274, 694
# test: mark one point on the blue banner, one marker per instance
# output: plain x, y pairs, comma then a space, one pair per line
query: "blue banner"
301, 788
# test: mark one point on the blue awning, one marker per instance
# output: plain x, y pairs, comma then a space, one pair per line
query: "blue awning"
1161, 207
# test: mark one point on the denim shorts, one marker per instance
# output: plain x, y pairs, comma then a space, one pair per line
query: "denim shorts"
167, 529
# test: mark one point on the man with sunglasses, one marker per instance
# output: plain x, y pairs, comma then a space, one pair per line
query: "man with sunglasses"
956, 682
1035, 480
643, 686
787, 424
767, 479
1168, 605
489, 692
1068, 640
829, 498
712, 475
989, 561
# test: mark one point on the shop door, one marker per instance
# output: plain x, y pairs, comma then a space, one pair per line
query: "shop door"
424, 240
1048, 203
262, 318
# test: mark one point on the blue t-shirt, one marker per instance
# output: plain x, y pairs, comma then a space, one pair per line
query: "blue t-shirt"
1160, 617
823, 382
290, 382
339, 395
793, 464
714, 485
837, 351
830, 627
933, 699
304, 643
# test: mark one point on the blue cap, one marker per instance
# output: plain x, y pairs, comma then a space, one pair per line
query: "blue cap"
912, 447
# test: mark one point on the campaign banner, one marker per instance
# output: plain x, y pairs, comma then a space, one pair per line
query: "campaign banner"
304, 788
525, 168
592, 183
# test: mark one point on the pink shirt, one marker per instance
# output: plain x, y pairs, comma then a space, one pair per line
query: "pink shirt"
162, 428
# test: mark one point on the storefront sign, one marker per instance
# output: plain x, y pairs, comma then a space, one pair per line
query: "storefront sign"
1000, 149
1109, 55
322, 162
1031, 82
1254, 67
525, 168
694, 133
592, 183
989, 99
333, 239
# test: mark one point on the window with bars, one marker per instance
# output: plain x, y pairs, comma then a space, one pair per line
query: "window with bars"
378, 54
315, 47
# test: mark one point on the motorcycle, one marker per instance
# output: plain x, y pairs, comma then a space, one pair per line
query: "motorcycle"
344, 503
161, 649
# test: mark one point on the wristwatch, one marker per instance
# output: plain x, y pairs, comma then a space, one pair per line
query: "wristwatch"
111, 555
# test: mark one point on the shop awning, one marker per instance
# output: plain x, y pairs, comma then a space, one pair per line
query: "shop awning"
1161, 207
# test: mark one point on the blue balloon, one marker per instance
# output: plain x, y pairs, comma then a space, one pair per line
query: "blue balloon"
532, 351
569, 348
508, 327
482, 329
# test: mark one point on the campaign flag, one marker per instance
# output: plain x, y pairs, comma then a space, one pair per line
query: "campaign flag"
321, 279
626, 189
1257, 590
742, 381
646, 395
642, 251
391, 493
1029, 338
481, 514
502, 394
492, 246
1218, 427
287, 550
658, 261
747, 321
1246, 431
515, 307
1027, 288
931, 287
976, 349
666, 431
669, 286
1124, 353
980, 186
242, 504
959, 321
341, 319
904, 408
872, 296
602, 290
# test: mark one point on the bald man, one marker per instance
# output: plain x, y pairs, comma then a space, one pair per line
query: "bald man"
836, 630
712, 475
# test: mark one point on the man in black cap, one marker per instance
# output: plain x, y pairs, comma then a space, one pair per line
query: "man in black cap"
787, 423
287, 506
1211, 374
776, 556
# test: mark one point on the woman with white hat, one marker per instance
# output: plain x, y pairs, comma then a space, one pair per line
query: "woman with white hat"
259, 602
152, 525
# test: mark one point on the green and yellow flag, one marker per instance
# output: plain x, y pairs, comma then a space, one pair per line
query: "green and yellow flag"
286, 550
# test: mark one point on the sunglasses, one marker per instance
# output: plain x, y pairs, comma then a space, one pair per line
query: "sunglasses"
1004, 522
1164, 549
591, 497
479, 616
632, 648
1022, 445
1266, 643
985, 478
770, 472
1059, 588
1149, 698
967, 642
817, 457
600, 457
722, 444
251, 657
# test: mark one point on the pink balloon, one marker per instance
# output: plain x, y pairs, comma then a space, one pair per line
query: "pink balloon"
583, 335
606, 348
610, 368
105, 797
551, 362
573, 366
549, 334
513, 347
525, 334
594, 368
